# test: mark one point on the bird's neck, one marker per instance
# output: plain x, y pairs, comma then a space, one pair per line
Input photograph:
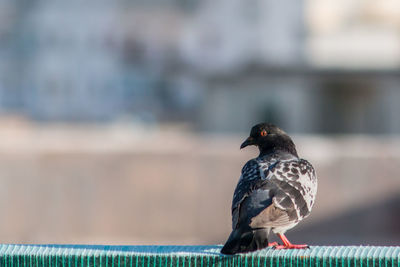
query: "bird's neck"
286, 146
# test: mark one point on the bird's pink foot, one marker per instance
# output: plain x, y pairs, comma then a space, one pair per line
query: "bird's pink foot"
288, 245
273, 244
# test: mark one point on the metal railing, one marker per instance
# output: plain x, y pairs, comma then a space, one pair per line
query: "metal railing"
193, 256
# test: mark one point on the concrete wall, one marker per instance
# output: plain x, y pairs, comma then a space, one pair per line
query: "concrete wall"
118, 185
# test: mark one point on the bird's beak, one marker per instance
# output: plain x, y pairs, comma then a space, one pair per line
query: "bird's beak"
248, 142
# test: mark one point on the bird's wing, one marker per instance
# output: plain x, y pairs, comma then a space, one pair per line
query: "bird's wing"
252, 191
274, 193
296, 187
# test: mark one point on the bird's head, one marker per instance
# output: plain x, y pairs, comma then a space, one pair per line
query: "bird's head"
269, 139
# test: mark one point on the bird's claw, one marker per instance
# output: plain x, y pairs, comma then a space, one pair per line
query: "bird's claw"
273, 244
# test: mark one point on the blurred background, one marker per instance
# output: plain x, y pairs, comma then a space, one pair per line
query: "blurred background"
121, 121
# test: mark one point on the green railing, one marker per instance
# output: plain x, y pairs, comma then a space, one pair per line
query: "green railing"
192, 256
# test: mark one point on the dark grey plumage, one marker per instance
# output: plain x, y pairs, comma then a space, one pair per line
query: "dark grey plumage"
275, 192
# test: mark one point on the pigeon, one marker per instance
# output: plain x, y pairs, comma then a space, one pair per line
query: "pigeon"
275, 192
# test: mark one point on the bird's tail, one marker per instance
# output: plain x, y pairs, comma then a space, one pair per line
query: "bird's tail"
247, 240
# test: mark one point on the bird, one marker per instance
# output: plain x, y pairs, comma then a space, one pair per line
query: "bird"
274, 193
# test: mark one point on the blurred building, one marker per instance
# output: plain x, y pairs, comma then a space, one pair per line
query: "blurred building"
343, 77
311, 66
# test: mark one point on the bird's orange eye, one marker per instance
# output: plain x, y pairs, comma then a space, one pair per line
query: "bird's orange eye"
263, 133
